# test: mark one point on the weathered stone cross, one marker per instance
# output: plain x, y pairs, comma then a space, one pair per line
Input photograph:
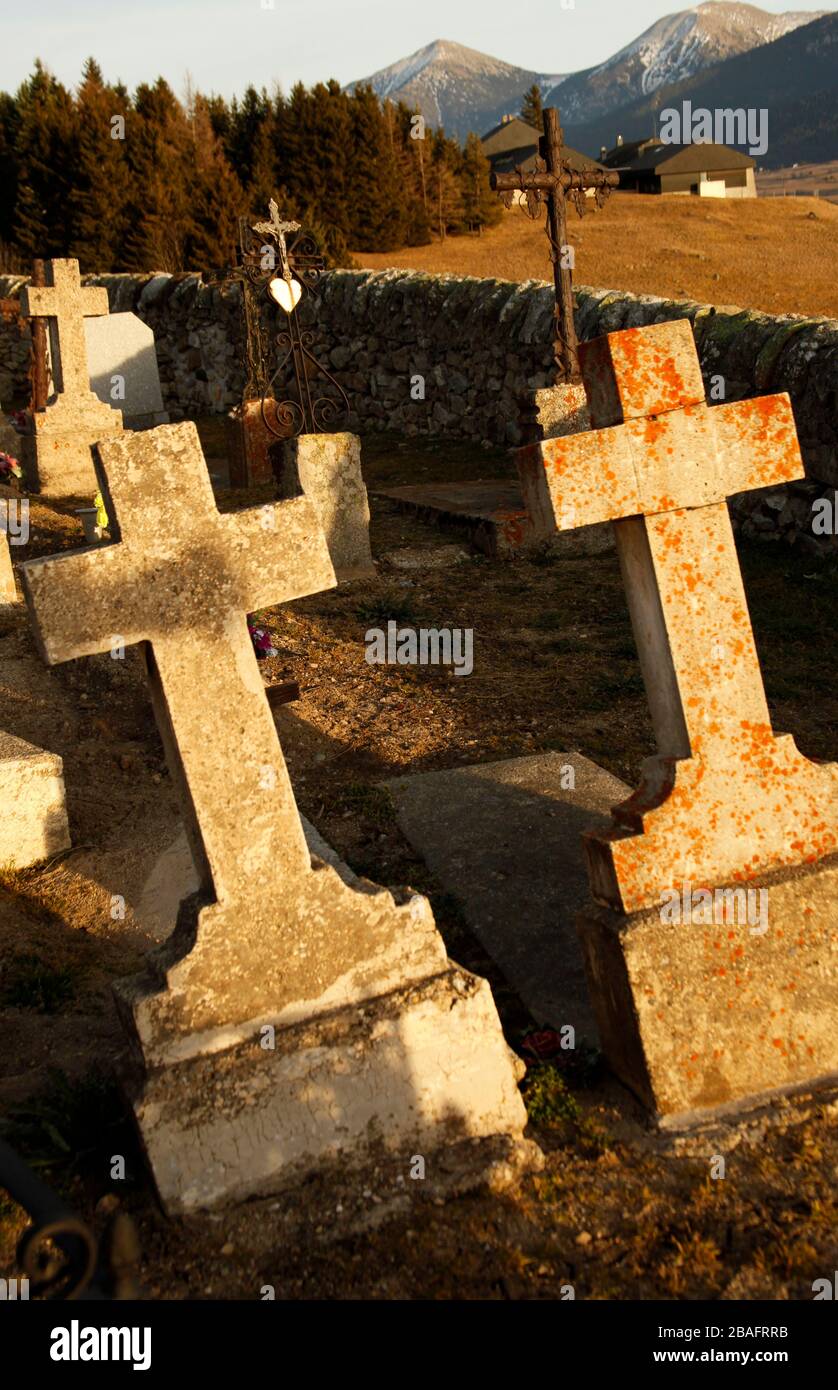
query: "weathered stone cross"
66, 305
725, 798
297, 1015
266, 936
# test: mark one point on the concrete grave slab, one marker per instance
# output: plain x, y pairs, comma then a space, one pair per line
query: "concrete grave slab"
123, 369
491, 514
504, 839
495, 514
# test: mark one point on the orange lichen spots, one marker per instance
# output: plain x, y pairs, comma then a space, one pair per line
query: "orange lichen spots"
724, 813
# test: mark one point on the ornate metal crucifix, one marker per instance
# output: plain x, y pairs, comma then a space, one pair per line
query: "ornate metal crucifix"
276, 229
553, 181
281, 263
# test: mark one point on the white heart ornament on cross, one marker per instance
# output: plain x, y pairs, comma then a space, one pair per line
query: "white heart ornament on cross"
286, 293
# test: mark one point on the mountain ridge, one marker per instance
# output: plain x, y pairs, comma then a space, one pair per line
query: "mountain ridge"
801, 125
463, 89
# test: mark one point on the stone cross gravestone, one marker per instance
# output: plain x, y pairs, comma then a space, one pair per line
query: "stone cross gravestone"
374, 1039
56, 457
122, 364
726, 801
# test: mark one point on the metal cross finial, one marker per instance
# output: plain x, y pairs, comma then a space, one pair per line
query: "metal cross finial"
277, 228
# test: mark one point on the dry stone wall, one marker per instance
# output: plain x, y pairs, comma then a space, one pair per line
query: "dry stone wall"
448, 355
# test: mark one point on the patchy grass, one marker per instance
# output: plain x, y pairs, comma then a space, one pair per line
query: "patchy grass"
28, 982
389, 606
73, 1125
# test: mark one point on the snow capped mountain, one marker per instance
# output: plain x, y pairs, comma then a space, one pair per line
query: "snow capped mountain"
673, 49
462, 89
457, 87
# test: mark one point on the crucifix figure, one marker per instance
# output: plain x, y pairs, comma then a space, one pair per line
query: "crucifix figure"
276, 229
553, 181
726, 798
66, 304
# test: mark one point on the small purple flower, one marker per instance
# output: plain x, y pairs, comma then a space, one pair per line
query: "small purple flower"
9, 467
261, 639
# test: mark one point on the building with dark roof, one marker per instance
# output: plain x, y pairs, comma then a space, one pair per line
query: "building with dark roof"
710, 171
514, 145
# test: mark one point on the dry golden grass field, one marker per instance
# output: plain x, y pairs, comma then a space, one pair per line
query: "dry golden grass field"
776, 254
817, 180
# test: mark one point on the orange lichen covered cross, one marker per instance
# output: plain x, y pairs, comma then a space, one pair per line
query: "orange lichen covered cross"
725, 798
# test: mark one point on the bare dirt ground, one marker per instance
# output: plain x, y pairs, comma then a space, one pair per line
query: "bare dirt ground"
615, 1212
775, 254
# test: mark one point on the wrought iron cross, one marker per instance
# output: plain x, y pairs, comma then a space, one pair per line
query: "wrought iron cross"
553, 181
283, 278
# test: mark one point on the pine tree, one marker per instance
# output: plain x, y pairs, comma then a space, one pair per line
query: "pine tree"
47, 154
9, 168
377, 206
481, 207
102, 179
244, 126
216, 198
262, 182
445, 190
412, 159
159, 153
532, 109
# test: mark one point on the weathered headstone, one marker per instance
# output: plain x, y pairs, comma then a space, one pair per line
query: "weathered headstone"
34, 822
123, 368
326, 468
291, 1020
56, 456
698, 1016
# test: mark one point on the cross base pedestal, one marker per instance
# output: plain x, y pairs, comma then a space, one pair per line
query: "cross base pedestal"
420, 1071
59, 461
701, 1019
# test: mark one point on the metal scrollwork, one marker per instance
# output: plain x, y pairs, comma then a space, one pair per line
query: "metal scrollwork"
282, 263
59, 1254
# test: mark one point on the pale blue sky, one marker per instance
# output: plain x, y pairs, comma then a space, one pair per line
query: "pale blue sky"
225, 44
